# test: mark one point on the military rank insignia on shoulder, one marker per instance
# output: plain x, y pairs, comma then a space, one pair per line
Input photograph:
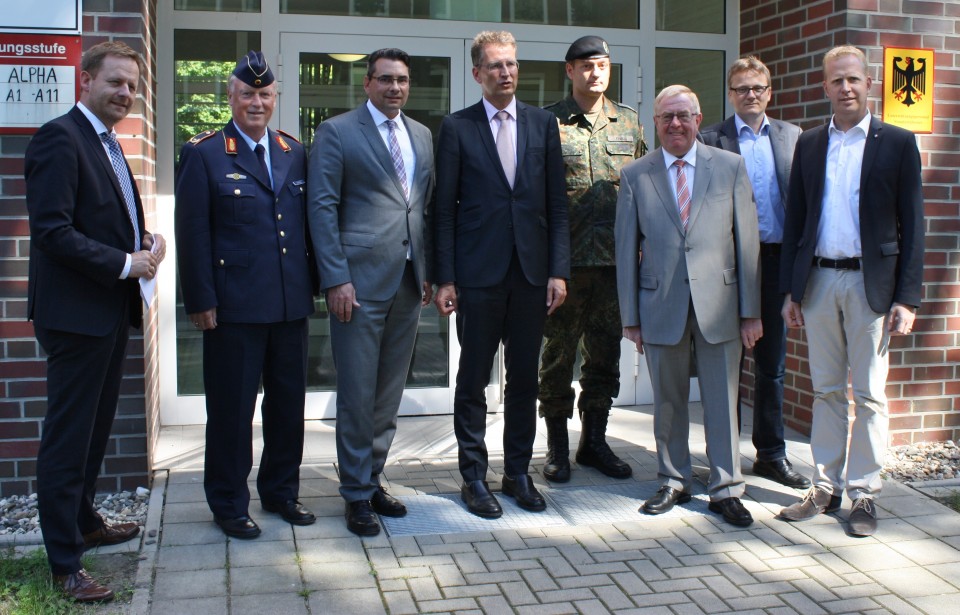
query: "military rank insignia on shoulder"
288, 135
203, 136
623, 106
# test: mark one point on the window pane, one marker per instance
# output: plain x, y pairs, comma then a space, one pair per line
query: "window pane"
691, 16
331, 84
240, 6
701, 71
203, 61
606, 14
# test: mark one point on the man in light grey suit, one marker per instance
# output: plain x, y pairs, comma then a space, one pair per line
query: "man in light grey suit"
688, 282
370, 182
767, 148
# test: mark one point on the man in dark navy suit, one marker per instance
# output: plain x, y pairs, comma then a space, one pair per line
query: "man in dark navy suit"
242, 253
502, 260
88, 247
766, 145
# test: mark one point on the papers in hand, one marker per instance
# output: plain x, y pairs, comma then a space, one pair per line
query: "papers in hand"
149, 287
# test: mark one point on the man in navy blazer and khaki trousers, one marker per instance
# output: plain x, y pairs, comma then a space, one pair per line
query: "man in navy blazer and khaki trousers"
88, 246
502, 260
852, 272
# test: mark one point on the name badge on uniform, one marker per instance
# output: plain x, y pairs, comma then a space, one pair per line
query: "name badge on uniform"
625, 138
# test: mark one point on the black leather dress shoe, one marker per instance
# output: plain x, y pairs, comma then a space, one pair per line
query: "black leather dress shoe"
781, 471
387, 505
733, 511
361, 520
292, 511
238, 527
521, 489
476, 495
664, 500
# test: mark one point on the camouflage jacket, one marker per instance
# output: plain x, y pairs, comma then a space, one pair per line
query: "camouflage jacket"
593, 157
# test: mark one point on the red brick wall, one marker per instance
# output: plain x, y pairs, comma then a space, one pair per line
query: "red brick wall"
791, 36
22, 363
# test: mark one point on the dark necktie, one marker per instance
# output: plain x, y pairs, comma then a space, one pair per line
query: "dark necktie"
397, 157
261, 156
683, 193
123, 176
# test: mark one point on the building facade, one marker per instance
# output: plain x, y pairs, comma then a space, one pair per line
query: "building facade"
318, 53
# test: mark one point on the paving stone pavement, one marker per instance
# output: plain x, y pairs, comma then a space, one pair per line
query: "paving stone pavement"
687, 563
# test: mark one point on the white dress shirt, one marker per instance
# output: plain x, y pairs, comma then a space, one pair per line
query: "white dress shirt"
265, 142
838, 234
403, 138
100, 128
511, 124
689, 170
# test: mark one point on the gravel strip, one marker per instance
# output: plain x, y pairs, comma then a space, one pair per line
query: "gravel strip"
18, 513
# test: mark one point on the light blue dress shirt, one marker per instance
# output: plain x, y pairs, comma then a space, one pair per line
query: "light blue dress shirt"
757, 152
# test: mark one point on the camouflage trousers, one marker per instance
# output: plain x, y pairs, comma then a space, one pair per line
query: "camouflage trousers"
589, 320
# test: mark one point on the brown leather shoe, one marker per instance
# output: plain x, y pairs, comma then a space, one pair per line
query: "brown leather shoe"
110, 534
815, 502
82, 587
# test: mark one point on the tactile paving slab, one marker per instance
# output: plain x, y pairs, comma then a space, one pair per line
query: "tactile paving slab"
446, 514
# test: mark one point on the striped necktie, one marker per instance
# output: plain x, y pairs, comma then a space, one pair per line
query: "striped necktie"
683, 193
397, 158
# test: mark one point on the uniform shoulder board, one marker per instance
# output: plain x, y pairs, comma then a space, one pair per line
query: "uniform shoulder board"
288, 135
203, 136
623, 106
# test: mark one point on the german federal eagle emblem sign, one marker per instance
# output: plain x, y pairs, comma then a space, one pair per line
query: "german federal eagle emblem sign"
908, 88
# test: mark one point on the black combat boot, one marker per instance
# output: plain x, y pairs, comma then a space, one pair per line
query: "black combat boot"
557, 467
594, 451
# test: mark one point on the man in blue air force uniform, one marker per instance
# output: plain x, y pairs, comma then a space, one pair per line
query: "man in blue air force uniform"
244, 267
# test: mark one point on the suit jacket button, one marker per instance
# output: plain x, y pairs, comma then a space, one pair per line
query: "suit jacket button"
282, 234
236, 191
409, 209
406, 242
279, 216
284, 250
221, 262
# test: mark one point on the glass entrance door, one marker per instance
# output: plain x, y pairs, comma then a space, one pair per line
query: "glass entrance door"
323, 77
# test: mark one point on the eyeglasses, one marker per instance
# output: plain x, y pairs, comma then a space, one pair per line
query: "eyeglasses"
386, 80
685, 117
496, 67
756, 89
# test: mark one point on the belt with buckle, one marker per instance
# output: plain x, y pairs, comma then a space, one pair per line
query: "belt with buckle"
850, 264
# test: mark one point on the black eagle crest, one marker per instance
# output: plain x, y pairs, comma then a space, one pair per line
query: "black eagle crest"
909, 83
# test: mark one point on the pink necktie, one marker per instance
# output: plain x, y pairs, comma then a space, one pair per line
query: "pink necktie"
683, 193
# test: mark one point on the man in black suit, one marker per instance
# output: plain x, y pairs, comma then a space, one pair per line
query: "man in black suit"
242, 253
502, 260
852, 272
88, 246
767, 146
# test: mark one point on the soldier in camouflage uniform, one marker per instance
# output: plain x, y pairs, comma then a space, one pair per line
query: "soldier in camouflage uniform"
598, 137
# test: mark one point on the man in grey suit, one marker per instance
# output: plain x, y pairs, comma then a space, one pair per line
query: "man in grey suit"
370, 181
688, 281
767, 147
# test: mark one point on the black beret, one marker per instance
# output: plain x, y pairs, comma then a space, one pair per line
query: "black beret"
587, 47
253, 70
